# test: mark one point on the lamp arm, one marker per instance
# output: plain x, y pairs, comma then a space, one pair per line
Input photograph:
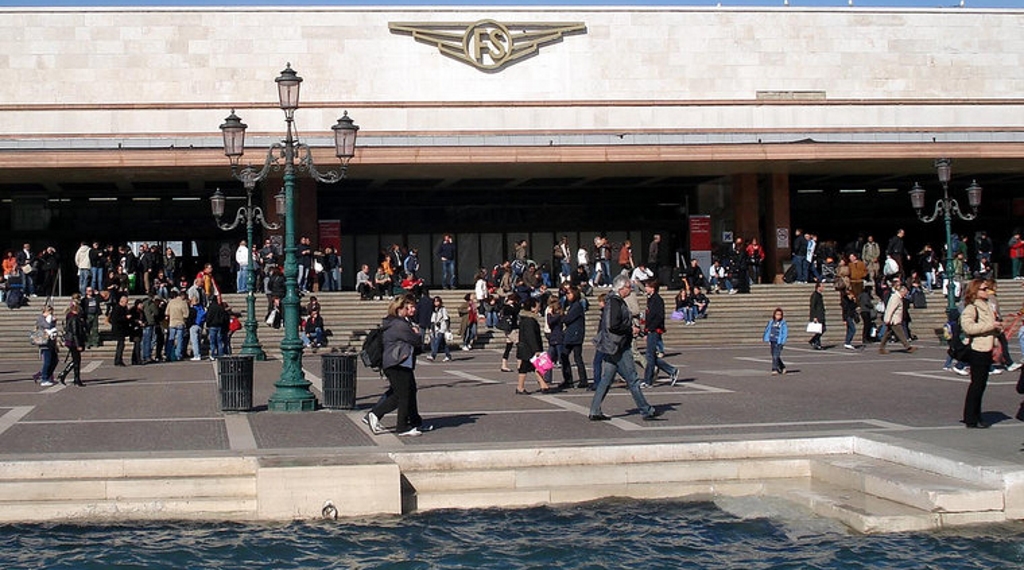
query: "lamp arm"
257, 215
305, 162
934, 216
955, 208
239, 218
248, 176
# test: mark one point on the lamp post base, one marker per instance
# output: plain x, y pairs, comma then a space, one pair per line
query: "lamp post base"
256, 351
296, 400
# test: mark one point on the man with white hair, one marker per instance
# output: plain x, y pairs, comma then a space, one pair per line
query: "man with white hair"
614, 341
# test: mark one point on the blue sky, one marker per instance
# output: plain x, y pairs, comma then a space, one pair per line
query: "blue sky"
727, 3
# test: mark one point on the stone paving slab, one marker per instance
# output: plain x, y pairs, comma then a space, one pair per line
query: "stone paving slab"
727, 394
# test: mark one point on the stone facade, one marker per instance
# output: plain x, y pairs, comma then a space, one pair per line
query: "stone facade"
174, 72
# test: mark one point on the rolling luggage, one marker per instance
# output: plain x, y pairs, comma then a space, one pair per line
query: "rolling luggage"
790, 275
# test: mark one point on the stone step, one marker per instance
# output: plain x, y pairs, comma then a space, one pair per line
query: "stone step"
198, 508
860, 511
138, 468
127, 489
906, 485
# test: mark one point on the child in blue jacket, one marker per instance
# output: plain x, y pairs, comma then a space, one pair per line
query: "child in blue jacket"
776, 332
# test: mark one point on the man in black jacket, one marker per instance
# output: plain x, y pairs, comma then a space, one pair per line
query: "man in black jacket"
614, 340
655, 325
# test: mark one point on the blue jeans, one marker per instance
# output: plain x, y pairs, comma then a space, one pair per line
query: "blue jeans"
801, 269
216, 341
194, 334
96, 278
469, 335
242, 279
448, 273
491, 319
653, 362
435, 344
303, 277
777, 365
147, 343
83, 279
175, 349
49, 363
851, 329
621, 362
566, 269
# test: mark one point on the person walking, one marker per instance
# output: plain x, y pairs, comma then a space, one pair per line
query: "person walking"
46, 323
817, 314
468, 317
120, 326
776, 332
614, 341
893, 320
981, 326
402, 341
574, 322
75, 339
851, 316
440, 328
530, 344
654, 324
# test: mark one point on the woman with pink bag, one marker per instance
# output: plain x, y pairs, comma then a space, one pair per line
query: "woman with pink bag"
530, 346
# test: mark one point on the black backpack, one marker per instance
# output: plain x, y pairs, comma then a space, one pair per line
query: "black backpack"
372, 353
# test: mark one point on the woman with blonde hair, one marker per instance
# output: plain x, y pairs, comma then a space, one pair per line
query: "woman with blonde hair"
402, 342
980, 324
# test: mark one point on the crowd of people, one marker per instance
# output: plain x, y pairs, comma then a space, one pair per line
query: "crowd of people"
535, 310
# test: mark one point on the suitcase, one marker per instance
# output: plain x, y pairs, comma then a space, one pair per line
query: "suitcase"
16, 298
790, 275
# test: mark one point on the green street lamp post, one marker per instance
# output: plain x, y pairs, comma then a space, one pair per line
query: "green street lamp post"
250, 215
292, 389
946, 207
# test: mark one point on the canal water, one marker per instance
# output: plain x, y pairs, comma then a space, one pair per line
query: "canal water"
732, 533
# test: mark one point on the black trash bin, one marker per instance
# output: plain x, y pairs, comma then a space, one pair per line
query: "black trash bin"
235, 383
339, 377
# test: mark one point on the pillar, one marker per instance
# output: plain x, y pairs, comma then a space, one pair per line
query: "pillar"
745, 206
779, 240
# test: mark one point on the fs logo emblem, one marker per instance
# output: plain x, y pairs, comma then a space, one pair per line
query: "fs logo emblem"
488, 45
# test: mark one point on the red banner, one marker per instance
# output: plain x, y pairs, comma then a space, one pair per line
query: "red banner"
329, 234
700, 233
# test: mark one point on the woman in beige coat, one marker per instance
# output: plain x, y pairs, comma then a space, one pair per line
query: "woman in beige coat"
980, 325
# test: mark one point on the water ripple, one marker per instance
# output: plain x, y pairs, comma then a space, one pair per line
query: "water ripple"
592, 536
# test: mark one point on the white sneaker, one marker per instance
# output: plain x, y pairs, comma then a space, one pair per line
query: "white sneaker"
1014, 366
413, 432
196, 358
849, 347
961, 371
371, 420
46, 384
447, 359
430, 358
996, 371
644, 385
675, 377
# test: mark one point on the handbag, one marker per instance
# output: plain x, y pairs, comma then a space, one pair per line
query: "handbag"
542, 363
815, 328
39, 337
27, 268
678, 315
272, 316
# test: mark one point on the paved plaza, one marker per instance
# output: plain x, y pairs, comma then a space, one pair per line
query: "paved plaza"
725, 394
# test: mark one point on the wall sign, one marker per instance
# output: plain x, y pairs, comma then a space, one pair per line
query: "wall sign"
488, 45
